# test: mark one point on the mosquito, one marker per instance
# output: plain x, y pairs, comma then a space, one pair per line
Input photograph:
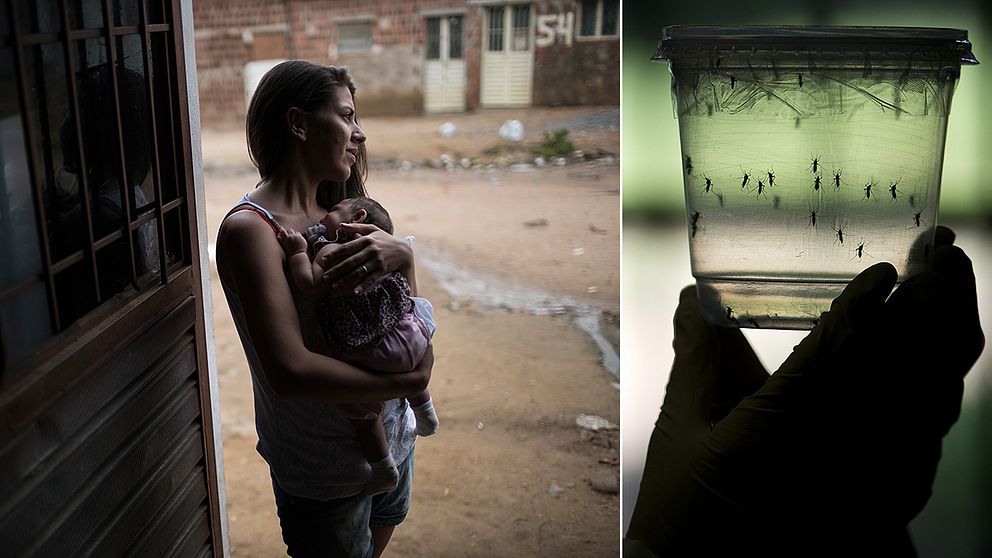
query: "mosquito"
694, 223
813, 214
840, 234
771, 178
746, 179
893, 191
868, 186
688, 165
815, 165
837, 179
800, 76
860, 250
918, 220
816, 183
760, 188
709, 184
733, 81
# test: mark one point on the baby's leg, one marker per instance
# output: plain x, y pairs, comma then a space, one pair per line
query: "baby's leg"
372, 440
423, 411
420, 398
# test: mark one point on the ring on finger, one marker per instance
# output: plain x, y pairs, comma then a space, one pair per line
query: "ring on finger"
365, 270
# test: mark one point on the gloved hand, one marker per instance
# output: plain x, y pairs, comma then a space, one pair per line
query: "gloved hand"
835, 452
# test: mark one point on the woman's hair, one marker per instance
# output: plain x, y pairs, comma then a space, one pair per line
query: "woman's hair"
307, 86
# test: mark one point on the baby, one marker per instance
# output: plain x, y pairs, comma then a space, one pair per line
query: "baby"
382, 328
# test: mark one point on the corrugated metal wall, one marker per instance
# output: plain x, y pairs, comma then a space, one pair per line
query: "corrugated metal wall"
116, 465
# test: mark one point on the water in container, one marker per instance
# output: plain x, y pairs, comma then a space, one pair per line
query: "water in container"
809, 154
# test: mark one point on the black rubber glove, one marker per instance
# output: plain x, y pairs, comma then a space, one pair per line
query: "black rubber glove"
833, 454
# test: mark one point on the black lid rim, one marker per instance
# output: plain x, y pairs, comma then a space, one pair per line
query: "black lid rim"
822, 32
678, 39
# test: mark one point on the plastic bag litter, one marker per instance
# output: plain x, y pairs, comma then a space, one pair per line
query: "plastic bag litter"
447, 129
512, 130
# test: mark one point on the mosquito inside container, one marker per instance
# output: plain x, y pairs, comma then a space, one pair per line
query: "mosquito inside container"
828, 125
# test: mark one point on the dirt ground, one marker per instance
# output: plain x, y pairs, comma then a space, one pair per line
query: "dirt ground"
509, 473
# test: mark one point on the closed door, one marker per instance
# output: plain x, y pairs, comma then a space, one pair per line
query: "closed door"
444, 75
507, 56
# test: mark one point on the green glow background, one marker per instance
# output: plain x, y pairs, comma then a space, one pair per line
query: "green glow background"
957, 518
652, 179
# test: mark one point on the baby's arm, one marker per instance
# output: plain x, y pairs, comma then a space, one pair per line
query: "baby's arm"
307, 277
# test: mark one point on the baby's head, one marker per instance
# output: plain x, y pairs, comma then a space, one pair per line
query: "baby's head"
358, 210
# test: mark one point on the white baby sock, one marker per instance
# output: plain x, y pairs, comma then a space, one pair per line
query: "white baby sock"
426, 418
385, 477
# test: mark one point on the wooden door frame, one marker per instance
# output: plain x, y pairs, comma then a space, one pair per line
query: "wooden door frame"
197, 218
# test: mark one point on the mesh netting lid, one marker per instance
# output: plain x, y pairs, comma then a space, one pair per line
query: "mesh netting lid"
701, 41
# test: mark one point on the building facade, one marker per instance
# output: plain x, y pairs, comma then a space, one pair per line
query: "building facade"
415, 57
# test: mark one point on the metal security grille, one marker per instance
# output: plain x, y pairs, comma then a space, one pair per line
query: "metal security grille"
599, 18
495, 28
433, 38
107, 431
455, 49
93, 203
521, 28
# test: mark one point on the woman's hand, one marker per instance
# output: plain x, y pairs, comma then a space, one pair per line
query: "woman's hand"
353, 266
250, 263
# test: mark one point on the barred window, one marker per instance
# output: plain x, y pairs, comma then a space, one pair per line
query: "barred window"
521, 27
599, 18
433, 38
495, 29
455, 37
92, 191
447, 30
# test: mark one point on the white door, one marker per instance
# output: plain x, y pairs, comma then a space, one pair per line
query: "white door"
444, 75
507, 56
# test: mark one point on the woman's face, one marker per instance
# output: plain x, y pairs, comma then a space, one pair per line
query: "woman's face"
336, 136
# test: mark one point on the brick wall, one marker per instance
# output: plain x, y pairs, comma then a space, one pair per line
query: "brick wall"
473, 56
390, 77
585, 73
228, 34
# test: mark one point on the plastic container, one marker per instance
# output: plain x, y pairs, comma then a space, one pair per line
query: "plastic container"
809, 154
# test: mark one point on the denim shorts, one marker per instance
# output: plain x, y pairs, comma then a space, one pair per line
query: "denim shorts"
342, 526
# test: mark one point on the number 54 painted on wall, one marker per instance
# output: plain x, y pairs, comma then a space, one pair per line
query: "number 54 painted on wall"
552, 26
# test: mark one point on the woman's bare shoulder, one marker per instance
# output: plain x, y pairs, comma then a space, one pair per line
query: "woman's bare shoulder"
243, 226
243, 234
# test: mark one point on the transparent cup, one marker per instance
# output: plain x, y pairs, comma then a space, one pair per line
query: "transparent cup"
809, 154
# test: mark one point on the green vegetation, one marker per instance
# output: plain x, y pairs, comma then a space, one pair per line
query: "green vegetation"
555, 144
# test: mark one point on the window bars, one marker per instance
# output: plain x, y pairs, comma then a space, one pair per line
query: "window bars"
92, 180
